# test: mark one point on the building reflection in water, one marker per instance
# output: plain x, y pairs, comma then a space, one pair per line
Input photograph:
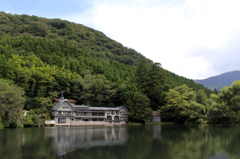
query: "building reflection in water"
66, 140
156, 131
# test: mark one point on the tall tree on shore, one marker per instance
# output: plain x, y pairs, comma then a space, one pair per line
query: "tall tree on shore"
139, 107
158, 85
11, 104
182, 106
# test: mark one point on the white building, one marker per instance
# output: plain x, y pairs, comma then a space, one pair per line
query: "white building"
66, 113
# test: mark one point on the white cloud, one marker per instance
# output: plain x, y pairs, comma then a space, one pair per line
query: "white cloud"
165, 32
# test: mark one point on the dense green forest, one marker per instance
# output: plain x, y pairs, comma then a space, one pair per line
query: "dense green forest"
184, 104
41, 57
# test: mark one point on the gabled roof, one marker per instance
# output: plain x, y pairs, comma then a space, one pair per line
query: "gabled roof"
122, 107
70, 100
85, 107
60, 103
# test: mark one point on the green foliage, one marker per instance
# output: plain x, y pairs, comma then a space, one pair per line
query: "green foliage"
225, 105
157, 85
78, 36
1, 124
32, 119
201, 97
46, 56
179, 81
154, 82
182, 106
11, 104
139, 107
95, 90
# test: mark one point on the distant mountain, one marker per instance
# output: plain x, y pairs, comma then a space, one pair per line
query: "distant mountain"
225, 79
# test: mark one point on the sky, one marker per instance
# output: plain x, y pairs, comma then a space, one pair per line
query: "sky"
195, 39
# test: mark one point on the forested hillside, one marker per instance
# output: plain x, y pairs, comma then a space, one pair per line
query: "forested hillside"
46, 56
217, 82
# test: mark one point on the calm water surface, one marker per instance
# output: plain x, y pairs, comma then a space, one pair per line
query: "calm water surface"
160, 142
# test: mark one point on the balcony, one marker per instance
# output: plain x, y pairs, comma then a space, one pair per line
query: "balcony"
91, 114
63, 114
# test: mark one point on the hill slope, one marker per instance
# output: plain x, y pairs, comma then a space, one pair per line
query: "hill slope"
52, 55
225, 79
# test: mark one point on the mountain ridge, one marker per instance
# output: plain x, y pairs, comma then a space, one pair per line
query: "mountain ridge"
218, 81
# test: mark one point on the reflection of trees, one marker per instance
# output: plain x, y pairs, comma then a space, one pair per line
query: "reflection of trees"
140, 142
25, 143
198, 141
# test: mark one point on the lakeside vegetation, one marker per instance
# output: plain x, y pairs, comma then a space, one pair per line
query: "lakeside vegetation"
41, 57
184, 105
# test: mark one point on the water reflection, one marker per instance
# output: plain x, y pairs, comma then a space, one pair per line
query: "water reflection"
156, 131
139, 142
66, 140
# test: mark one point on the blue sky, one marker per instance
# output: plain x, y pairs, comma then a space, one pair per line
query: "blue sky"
192, 38
44, 8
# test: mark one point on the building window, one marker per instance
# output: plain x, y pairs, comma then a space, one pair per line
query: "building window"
101, 114
62, 120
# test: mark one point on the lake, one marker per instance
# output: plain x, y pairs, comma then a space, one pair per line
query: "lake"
125, 142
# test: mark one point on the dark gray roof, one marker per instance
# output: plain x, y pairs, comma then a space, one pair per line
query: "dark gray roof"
77, 107
60, 103
122, 107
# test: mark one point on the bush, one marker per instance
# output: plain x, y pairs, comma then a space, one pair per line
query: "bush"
1, 126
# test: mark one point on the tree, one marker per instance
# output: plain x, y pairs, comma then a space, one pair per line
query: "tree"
235, 99
201, 97
45, 104
216, 110
176, 107
32, 118
23, 76
11, 104
182, 105
94, 90
139, 107
158, 85
225, 105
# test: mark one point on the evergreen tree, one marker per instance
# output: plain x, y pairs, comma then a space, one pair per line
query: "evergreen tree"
158, 85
